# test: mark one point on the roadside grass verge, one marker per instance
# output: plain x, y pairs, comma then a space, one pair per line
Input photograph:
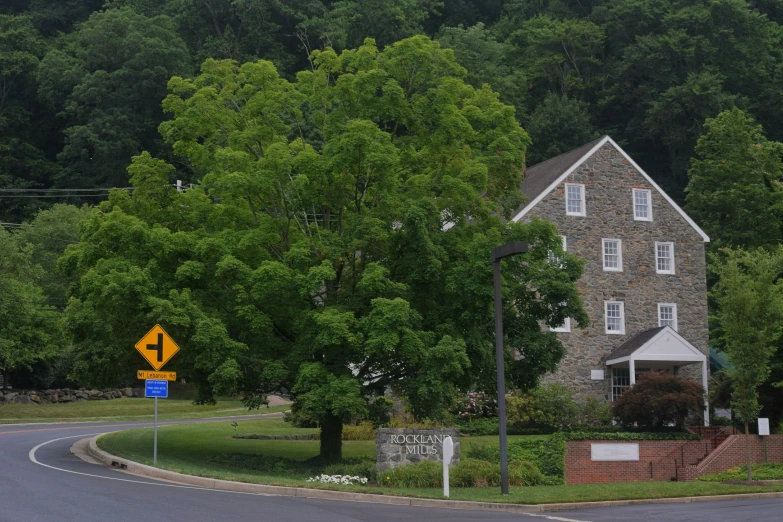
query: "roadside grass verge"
125, 408
208, 450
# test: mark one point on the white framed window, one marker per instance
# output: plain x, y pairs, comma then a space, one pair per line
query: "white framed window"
612, 254
667, 315
565, 327
614, 317
642, 204
621, 381
664, 258
575, 199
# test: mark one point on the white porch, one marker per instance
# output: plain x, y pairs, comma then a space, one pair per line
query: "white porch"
659, 348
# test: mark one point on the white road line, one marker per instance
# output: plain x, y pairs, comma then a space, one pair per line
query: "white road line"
32, 452
33, 459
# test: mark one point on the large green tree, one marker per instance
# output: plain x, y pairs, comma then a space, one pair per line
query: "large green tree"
29, 329
337, 244
734, 191
749, 295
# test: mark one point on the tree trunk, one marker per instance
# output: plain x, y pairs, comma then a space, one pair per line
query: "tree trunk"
747, 452
332, 439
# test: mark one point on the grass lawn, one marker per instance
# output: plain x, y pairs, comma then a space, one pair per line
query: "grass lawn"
209, 450
123, 409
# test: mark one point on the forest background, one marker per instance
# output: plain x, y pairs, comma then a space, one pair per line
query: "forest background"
691, 89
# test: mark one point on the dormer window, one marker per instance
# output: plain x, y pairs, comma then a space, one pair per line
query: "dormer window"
642, 205
575, 199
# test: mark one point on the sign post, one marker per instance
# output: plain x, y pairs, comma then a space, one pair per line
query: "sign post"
155, 388
764, 431
157, 347
448, 453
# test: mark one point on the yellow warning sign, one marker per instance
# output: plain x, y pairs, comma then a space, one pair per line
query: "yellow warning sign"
157, 347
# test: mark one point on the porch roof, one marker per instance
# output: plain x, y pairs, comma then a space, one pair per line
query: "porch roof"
656, 344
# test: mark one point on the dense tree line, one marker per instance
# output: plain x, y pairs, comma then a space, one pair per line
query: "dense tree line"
81, 80
420, 106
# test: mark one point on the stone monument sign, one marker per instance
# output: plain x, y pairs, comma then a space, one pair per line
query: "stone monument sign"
400, 446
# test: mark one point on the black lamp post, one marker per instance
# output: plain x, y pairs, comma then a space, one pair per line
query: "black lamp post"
507, 250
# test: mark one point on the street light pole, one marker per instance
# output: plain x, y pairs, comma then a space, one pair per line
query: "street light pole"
507, 250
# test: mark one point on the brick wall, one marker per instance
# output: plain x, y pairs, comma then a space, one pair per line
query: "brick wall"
653, 463
666, 459
732, 453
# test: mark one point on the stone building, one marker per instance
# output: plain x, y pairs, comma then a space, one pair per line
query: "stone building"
644, 283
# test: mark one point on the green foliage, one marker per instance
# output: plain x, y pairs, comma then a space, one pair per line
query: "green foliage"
312, 255
734, 191
105, 81
353, 467
362, 431
425, 474
549, 406
749, 298
558, 125
632, 435
473, 473
524, 473
659, 400
547, 455
768, 471
29, 330
379, 411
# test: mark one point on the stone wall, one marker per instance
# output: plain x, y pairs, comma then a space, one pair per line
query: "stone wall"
64, 395
400, 446
609, 179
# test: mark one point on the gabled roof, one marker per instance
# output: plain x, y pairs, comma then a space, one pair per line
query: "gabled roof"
634, 343
542, 178
656, 344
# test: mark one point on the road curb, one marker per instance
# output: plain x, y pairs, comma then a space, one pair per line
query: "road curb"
243, 487
226, 485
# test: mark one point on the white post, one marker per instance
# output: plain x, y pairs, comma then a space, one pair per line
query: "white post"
632, 370
155, 437
179, 185
705, 383
448, 453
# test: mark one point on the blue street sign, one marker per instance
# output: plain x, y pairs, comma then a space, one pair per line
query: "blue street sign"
156, 388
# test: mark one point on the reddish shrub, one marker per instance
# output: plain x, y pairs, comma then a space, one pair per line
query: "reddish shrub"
659, 400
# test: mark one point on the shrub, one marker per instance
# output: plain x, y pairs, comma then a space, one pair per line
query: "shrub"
524, 473
481, 452
547, 455
593, 414
632, 435
475, 405
551, 406
425, 474
474, 473
362, 431
769, 471
364, 468
659, 400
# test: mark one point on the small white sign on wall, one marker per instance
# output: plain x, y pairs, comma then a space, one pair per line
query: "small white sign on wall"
597, 375
614, 452
763, 426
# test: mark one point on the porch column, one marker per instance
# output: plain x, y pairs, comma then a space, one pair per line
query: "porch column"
705, 383
632, 369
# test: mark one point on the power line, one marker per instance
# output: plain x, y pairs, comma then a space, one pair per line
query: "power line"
65, 190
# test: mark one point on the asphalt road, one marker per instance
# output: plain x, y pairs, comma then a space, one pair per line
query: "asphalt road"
50, 484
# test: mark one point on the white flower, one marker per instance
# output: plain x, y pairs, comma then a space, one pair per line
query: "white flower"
338, 479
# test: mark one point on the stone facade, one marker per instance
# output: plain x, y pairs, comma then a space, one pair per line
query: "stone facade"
400, 446
608, 179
